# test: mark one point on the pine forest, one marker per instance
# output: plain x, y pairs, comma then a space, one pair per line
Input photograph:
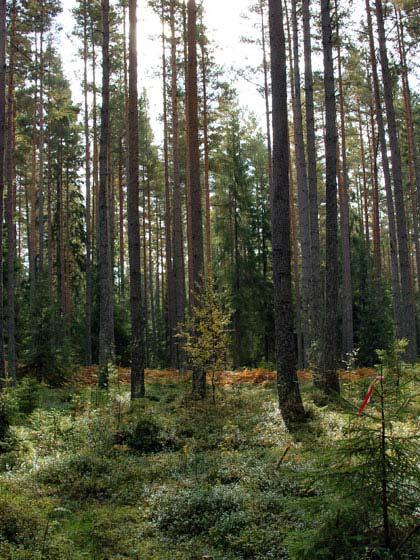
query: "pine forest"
209, 279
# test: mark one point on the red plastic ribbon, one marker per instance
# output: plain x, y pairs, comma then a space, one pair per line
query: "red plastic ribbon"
368, 395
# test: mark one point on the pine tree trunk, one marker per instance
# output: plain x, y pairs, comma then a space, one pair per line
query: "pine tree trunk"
347, 290
316, 294
266, 96
95, 159
199, 378
408, 325
106, 312
121, 244
137, 342
393, 247
328, 380
288, 386
89, 281
3, 136
206, 148
11, 204
302, 186
32, 244
177, 236
413, 157
376, 225
187, 159
169, 299
41, 156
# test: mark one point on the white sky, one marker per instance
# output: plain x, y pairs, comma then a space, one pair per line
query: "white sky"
225, 28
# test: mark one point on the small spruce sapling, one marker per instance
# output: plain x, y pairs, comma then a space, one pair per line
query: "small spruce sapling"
205, 335
380, 458
367, 507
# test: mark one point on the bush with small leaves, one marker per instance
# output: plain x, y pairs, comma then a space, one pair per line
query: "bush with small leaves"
189, 512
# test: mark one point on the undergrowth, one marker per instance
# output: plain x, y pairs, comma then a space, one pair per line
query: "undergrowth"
84, 475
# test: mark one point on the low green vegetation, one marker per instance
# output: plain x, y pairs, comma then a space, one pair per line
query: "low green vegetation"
86, 475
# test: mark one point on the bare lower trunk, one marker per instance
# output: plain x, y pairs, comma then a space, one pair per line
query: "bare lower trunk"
347, 291
288, 386
199, 380
328, 380
137, 342
106, 311
393, 248
3, 136
11, 206
316, 294
177, 237
408, 324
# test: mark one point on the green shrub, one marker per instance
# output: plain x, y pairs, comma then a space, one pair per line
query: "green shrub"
87, 476
189, 512
20, 523
27, 395
146, 436
8, 413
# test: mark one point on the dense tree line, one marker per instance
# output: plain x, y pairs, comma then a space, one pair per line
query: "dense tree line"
308, 225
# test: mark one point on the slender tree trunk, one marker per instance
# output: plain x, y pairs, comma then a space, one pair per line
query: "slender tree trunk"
169, 299
413, 163
50, 257
88, 315
347, 289
41, 195
316, 295
187, 159
121, 244
288, 386
295, 267
302, 185
328, 381
393, 248
263, 192
145, 275
59, 226
152, 293
11, 202
32, 244
95, 159
3, 137
199, 378
376, 225
204, 78
106, 311
137, 342
177, 237
408, 325
266, 95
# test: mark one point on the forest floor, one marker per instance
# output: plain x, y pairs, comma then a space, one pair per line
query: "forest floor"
85, 475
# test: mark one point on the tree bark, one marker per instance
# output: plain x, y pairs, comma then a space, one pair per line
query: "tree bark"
177, 237
170, 300
89, 280
347, 290
137, 342
106, 311
11, 203
393, 247
290, 401
3, 136
413, 163
199, 378
316, 294
206, 148
302, 186
328, 380
408, 325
